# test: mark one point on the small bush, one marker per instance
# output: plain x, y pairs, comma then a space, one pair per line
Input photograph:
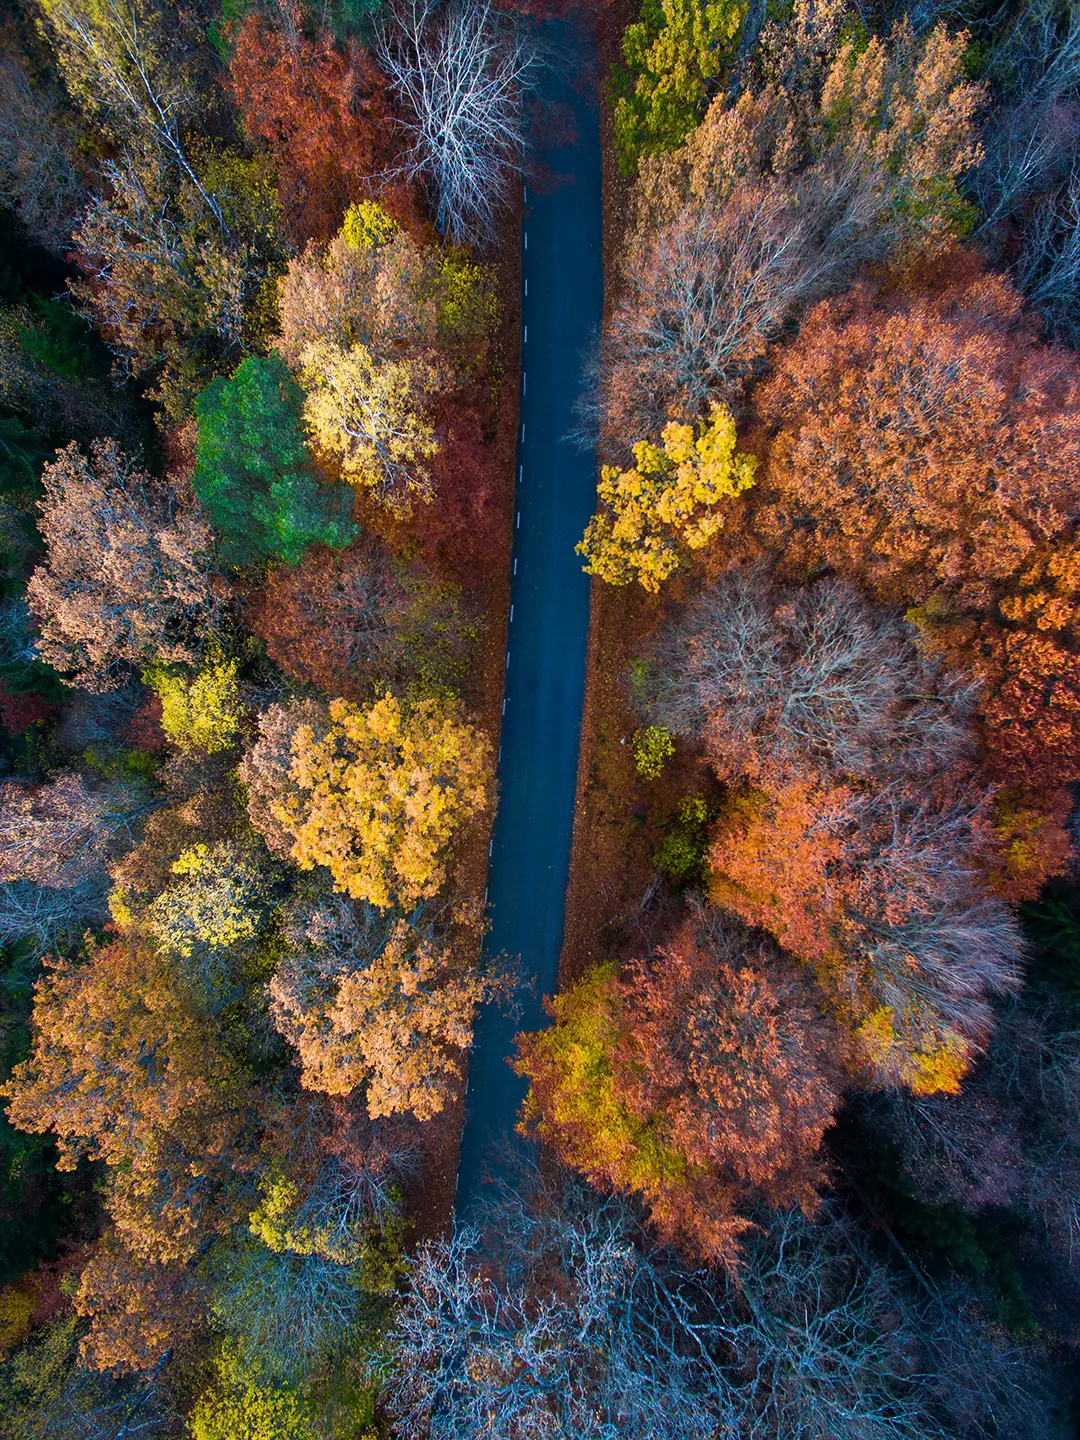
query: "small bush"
681, 854
653, 748
203, 712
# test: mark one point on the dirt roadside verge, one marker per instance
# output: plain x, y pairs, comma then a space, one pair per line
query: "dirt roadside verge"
430, 1200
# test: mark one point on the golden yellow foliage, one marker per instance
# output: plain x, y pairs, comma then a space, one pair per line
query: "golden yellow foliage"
368, 415
936, 1067
381, 795
667, 503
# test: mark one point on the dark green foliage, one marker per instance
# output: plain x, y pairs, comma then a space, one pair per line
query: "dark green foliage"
254, 476
1053, 927
23, 452
21, 673
938, 1238
61, 340
353, 17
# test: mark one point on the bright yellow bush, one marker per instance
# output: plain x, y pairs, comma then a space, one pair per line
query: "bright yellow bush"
653, 748
240, 1405
367, 225
203, 712
667, 504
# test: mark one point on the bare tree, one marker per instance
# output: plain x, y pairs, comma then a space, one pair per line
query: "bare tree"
1029, 148
831, 1346
1048, 267
549, 1322
788, 681
706, 292
55, 833
38, 176
1037, 54
55, 840
47, 916
461, 69
1011, 1138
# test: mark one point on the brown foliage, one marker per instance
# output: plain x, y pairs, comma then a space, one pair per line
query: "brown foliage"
927, 445
461, 533
325, 622
383, 296
267, 766
723, 1044
576, 1106
323, 114
126, 1067
379, 1001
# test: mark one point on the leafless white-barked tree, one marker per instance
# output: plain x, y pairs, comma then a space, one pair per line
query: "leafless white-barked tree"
461, 68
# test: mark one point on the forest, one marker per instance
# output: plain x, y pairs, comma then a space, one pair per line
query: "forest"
799, 1155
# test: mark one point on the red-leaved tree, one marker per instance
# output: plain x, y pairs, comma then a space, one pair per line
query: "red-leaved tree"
324, 114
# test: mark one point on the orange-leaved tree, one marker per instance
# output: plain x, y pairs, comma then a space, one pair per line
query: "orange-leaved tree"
374, 999
724, 1045
927, 445
703, 1081
858, 825
125, 1066
575, 1106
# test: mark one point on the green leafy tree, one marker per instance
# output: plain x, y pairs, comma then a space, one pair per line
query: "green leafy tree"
673, 55
253, 474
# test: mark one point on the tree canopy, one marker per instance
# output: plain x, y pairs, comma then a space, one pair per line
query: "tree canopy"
253, 473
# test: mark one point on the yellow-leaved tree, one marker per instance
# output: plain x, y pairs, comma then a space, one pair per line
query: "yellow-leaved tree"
378, 795
368, 415
650, 515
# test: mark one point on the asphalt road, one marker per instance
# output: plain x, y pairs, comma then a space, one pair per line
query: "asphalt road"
562, 280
